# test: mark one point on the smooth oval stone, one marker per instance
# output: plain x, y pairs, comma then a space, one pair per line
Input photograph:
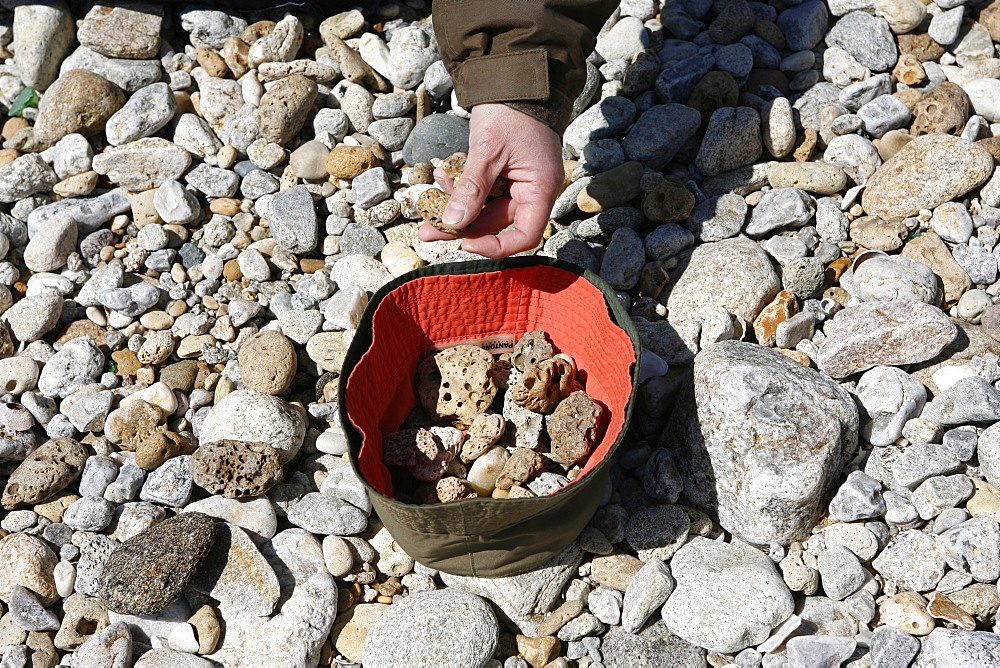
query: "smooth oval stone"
928, 171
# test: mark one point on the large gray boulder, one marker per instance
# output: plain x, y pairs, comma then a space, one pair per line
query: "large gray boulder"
761, 441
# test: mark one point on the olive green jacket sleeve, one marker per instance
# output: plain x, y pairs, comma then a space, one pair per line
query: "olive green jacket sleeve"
530, 54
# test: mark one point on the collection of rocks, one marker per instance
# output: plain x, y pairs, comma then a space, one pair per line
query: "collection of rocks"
454, 446
797, 201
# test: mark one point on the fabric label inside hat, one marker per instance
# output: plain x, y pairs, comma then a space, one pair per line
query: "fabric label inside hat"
496, 344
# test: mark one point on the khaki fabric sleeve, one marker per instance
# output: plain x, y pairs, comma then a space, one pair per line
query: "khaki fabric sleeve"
530, 54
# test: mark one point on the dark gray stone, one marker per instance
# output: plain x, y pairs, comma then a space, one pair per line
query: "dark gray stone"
653, 647
436, 136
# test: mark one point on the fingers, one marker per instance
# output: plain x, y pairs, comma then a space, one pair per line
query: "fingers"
495, 216
469, 192
530, 218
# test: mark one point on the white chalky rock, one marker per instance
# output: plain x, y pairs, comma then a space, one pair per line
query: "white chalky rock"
890, 396
51, 244
72, 155
345, 307
175, 204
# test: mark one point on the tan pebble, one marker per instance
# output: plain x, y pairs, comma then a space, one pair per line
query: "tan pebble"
87, 101
615, 570
53, 509
908, 96
77, 185
798, 356
145, 374
177, 308
190, 346
311, 265
940, 606
909, 70
188, 103
12, 125
285, 107
234, 55
143, 212
8, 155
224, 387
127, 362
61, 459
351, 628
559, 617
210, 61
806, 147
225, 206
231, 270
765, 326
985, 501
227, 156
207, 627
156, 320
423, 102
907, 611
268, 363
538, 651
255, 31
836, 269
338, 556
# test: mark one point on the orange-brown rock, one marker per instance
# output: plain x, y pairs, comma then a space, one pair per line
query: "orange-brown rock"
781, 309
347, 162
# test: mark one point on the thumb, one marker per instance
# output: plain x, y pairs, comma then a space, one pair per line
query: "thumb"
470, 191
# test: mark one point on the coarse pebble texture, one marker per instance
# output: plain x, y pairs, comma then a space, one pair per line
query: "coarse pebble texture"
796, 201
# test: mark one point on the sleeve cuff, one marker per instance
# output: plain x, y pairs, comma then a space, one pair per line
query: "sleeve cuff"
523, 75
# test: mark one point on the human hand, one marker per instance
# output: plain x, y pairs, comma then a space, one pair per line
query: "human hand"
510, 143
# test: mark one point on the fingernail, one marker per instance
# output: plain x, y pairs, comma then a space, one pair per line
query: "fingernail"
453, 214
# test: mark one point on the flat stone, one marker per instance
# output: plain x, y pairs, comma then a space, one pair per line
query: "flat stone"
236, 574
883, 333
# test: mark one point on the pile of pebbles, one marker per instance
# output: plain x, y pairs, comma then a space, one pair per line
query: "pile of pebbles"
797, 201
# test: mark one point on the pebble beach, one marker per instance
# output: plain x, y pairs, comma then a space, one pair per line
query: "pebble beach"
796, 201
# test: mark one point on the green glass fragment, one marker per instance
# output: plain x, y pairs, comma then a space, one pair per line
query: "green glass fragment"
26, 98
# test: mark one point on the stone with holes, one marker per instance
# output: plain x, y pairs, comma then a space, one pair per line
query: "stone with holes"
456, 384
235, 469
